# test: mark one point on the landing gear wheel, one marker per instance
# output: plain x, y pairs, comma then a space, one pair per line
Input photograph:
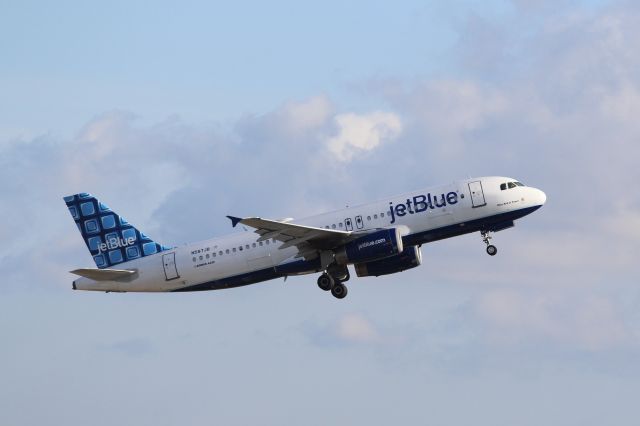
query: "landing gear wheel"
325, 282
339, 291
486, 238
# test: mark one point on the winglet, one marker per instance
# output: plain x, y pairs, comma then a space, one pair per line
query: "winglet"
234, 220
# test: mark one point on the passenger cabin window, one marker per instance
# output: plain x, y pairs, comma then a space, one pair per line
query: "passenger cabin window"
368, 217
375, 216
234, 249
503, 186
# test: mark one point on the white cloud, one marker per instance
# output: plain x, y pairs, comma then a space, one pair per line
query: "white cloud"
162, 175
309, 114
355, 328
358, 133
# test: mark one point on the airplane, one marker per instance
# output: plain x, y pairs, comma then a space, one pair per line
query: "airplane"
379, 238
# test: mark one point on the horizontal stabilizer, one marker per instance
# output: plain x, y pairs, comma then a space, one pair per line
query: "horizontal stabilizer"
104, 274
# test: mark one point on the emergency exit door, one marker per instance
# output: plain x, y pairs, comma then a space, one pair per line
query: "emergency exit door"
359, 222
348, 224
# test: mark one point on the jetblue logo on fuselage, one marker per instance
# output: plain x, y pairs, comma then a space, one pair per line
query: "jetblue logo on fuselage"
115, 243
372, 243
421, 203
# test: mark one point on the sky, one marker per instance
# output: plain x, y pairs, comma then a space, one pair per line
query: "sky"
176, 115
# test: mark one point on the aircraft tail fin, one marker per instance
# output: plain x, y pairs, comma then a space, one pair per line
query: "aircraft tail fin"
108, 236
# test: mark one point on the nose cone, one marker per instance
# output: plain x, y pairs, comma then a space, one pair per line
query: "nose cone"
541, 197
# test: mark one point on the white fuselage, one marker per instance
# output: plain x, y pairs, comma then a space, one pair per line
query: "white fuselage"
238, 259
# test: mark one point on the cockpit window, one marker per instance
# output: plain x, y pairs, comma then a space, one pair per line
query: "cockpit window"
514, 184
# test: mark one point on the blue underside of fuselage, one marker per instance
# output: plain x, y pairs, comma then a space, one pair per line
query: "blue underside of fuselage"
491, 223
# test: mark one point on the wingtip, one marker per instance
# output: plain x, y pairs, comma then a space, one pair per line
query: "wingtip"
234, 220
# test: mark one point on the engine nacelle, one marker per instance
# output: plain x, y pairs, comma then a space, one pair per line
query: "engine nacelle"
373, 246
409, 258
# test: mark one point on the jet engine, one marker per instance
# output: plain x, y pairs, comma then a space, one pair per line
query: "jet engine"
373, 246
409, 258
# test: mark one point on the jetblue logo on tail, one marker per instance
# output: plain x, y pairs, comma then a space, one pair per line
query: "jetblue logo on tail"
421, 203
109, 237
115, 243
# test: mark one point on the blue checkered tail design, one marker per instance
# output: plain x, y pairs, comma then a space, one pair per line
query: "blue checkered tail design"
109, 237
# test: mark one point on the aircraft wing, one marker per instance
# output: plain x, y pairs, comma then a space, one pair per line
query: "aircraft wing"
308, 239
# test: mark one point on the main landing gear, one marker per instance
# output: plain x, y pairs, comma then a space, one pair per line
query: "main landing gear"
486, 238
333, 280
325, 282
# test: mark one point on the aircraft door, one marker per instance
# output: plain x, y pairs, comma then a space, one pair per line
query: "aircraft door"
170, 270
477, 194
348, 225
359, 222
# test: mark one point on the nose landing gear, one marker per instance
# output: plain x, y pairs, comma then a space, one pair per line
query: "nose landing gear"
486, 238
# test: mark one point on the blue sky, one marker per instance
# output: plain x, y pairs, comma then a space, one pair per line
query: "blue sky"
177, 115
216, 60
